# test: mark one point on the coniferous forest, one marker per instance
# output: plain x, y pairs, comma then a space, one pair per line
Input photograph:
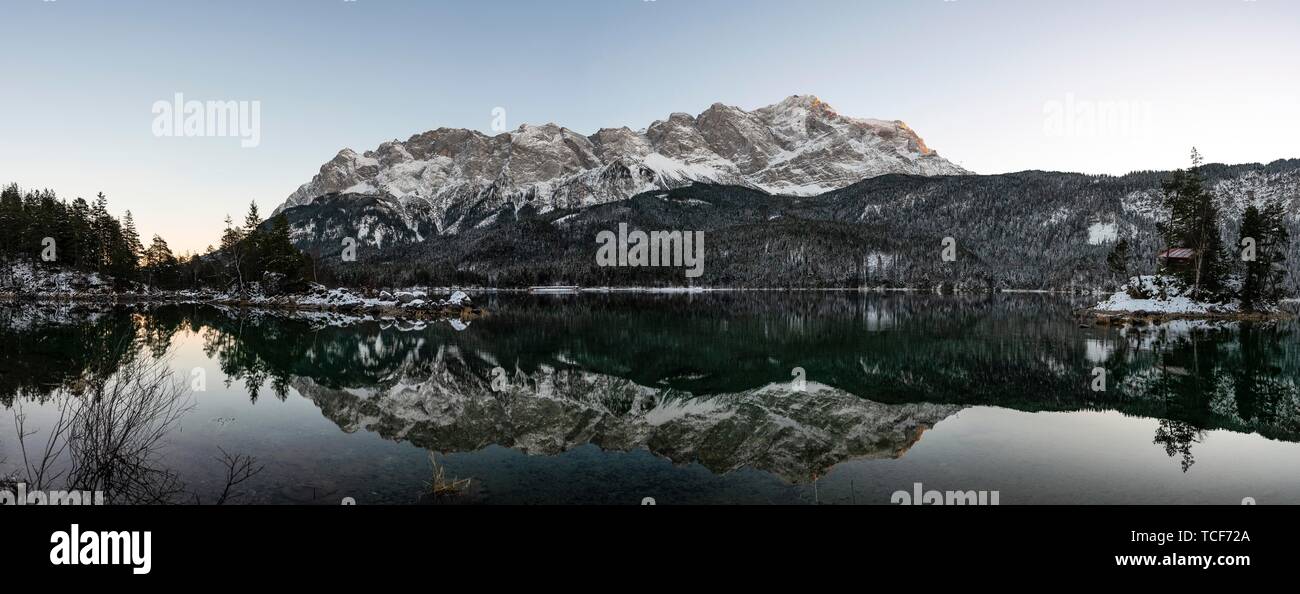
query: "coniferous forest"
1027, 230
49, 232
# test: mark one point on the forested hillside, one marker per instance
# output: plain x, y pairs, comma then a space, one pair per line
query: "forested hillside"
1027, 230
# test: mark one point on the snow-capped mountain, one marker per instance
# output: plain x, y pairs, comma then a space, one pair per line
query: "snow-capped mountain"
799, 146
796, 436
1014, 230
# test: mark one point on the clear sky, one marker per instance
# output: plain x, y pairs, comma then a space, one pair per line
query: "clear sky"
987, 83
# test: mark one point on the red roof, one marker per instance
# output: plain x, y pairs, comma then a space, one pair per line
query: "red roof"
1177, 253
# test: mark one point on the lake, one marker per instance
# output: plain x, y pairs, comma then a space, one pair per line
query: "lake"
716, 398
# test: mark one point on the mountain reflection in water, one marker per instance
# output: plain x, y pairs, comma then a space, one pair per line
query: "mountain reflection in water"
785, 398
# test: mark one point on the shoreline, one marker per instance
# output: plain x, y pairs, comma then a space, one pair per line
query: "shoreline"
287, 304
1139, 318
286, 301
343, 307
1154, 299
697, 290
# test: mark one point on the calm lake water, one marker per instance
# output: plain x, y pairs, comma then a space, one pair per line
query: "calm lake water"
831, 398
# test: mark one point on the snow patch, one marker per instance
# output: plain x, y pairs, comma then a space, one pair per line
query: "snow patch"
1099, 233
1160, 294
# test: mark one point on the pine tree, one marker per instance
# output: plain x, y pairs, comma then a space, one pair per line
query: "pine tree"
159, 253
1265, 271
44, 219
1117, 260
122, 263
83, 250
160, 263
254, 243
1194, 223
1278, 241
252, 219
232, 253
11, 220
131, 236
101, 234
279, 253
1256, 265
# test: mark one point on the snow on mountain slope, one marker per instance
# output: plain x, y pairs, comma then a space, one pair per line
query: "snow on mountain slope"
799, 146
796, 436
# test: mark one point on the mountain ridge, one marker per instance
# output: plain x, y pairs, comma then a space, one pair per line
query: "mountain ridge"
799, 146
1028, 230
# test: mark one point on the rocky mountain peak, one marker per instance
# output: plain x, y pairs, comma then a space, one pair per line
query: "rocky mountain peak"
799, 146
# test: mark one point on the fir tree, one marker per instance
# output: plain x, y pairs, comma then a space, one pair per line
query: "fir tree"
84, 249
1194, 223
1278, 241
131, 236
122, 263
1256, 264
279, 253
232, 253
1117, 259
161, 266
1263, 239
101, 234
159, 253
11, 219
252, 219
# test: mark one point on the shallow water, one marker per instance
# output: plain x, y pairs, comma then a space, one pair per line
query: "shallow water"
831, 398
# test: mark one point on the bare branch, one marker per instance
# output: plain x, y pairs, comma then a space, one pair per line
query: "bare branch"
239, 468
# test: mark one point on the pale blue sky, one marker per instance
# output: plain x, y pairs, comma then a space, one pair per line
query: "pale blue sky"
978, 79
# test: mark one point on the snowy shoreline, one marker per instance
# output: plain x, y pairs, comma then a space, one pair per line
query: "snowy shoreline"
416, 305
189, 296
1151, 299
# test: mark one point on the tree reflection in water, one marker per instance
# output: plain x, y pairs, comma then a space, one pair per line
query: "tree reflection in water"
701, 379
